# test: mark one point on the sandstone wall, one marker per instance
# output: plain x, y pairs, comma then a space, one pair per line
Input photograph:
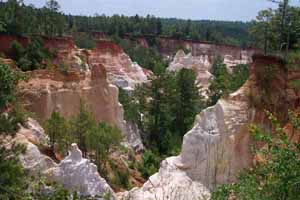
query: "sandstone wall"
92, 76
49, 91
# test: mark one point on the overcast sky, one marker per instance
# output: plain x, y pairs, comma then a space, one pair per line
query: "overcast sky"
240, 10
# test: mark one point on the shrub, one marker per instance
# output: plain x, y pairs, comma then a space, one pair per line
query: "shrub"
57, 129
34, 56
294, 84
84, 41
12, 176
17, 49
121, 177
293, 60
149, 165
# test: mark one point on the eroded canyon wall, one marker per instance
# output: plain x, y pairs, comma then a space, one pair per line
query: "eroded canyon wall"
218, 147
121, 70
77, 75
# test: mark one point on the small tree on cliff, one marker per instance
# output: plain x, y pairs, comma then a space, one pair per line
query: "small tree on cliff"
57, 129
81, 126
101, 139
189, 102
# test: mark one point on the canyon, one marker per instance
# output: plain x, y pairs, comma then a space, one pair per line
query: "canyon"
213, 152
218, 148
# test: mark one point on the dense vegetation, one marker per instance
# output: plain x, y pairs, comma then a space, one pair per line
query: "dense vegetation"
277, 30
33, 56
16, 18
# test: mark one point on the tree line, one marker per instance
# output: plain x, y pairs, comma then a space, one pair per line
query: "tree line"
18, 18
278, 30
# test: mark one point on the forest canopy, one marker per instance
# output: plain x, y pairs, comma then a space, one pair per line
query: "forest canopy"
18, 18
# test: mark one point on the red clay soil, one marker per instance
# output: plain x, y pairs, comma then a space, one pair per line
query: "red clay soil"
108, 46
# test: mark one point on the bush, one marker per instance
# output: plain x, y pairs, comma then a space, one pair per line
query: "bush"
33, 57
295, 84
57, 129
150, 164
121, 177
84, 41
293, 60
8, 82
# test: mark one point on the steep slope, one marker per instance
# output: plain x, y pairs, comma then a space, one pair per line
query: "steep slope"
49, 91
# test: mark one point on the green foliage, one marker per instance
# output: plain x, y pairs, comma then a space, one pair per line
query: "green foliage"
164, 110
58, 130
276, 30
18, 19
275, 178
101, 139
295, 84
121, 177
8, 82
16, 184
12, 181
293, 60
81, 127
130, 104
48, 20
174, 102
84, 41
39, 191
32, 57
188, 102
150, 164
2, 27
238, 77
95, 140
223, 82
220, 84
15, 114
10, 120
17, 50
